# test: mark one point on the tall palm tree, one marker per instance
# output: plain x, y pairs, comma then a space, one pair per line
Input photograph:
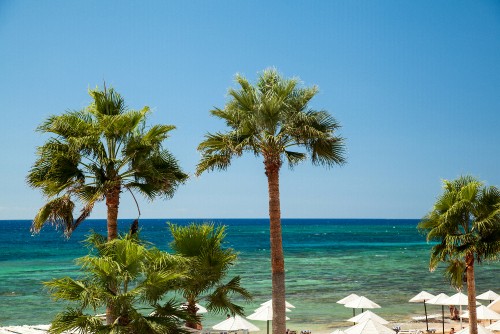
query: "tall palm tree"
94, 155
465, 221
269, 120
141, 276
207, 269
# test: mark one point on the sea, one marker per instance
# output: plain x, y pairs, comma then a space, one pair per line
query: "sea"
385, 260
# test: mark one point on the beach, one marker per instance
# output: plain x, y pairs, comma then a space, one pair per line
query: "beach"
325, 260
434, 327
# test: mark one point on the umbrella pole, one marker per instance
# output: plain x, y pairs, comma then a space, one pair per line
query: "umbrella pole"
442, 315
490, 319
461, 317
268, 327
426, 321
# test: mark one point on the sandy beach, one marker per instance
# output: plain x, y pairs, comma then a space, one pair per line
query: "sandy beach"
404, 324
434, 327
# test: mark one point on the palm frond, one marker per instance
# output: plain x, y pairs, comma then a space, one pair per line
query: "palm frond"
210, 162
220, 302
73, 319
455, 272
59, 212
294, 158
83, 292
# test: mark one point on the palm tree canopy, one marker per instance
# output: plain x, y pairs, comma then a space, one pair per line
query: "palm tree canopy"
140, 276
465, 221
272, 119
93, 151
208, 267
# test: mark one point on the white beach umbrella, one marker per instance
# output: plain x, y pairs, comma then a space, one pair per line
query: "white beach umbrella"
264, 313
369, 327
494, 326
422, 297
234, 324
483, 313
270, 302
200, 309
480, 330
440, 299
367, 315
488, 295
495, 305
267, 310
347, 299
362, 303
459, 299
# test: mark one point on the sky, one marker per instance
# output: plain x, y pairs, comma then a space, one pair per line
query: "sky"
414, 84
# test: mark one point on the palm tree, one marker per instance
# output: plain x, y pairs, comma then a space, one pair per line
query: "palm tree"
139, 274
465, 221
208, 266
94, 155
269, 120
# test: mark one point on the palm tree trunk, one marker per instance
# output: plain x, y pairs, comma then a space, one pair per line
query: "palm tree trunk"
192, 309
471, 293
112, 203
277, 257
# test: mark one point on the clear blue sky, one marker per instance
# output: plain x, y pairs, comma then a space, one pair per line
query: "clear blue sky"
415, 85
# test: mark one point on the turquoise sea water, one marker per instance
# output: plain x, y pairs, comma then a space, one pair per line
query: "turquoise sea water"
325, 259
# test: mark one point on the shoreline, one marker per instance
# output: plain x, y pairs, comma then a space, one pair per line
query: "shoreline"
434, 327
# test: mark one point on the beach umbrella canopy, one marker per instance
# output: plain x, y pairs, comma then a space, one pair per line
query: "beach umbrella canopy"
264, 313
367, 315
483, 313
369, 327
495, 305
488, 295
200, 308
440, 299
494, 326
459, 299
270, 302
362, 303
347, 299
422, 297
480, 330
234, 324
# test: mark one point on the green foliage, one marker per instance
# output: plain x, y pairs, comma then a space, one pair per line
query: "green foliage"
208, 267
271, 119
96, 151
465, 221
125, 274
